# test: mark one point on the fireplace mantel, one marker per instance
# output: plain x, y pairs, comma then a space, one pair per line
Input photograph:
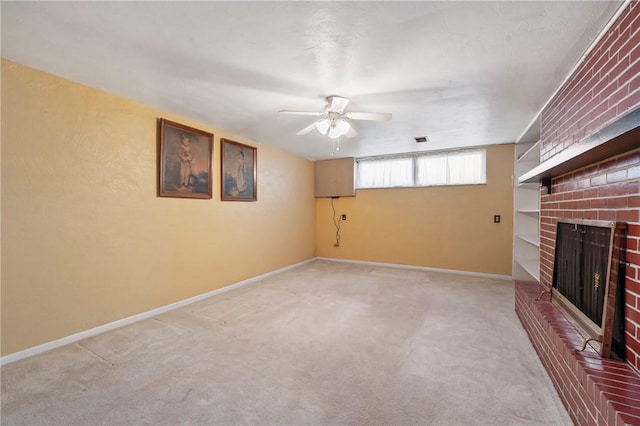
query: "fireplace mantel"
616, 138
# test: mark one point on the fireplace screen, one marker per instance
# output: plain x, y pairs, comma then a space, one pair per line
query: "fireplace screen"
588, 279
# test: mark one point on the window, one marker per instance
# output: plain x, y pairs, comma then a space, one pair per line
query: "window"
385, 173
464, 167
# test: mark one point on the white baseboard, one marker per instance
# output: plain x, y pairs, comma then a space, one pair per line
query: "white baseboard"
16, 356
420, 268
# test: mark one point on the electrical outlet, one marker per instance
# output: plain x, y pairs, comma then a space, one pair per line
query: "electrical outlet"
343, 217
496, 218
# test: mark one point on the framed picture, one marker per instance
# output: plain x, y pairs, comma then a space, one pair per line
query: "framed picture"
238, 171
185, 161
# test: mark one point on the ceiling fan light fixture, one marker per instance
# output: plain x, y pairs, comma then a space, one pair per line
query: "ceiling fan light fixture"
333, 132
323, 125
339, 128
342, 126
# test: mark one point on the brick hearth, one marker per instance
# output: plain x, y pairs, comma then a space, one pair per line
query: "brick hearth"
595, 391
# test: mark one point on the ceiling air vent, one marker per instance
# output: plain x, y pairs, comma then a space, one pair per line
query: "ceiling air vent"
421, 139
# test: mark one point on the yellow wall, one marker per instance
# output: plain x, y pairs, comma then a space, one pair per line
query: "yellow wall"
439, 227
85, 239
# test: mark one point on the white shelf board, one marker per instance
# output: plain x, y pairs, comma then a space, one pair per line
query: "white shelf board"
530, 265
532, 186
529, 212
615, 138
532, 239
531, 155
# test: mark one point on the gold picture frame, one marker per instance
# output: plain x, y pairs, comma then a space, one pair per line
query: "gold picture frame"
238, 170
185, 161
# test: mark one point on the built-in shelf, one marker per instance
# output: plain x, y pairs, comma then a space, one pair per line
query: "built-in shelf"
526, 203
616, 138
532, 239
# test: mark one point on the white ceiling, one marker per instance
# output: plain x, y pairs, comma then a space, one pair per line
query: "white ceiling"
462, 73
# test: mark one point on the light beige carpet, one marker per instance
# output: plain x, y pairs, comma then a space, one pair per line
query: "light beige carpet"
327, 343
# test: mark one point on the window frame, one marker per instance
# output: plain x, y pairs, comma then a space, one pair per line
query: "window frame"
415, 156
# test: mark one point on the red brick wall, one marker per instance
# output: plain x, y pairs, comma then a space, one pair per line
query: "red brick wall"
605, 87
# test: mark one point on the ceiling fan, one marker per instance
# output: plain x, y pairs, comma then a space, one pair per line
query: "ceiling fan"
334, 121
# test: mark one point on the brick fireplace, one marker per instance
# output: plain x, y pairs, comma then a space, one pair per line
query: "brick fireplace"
608, 190
603, 90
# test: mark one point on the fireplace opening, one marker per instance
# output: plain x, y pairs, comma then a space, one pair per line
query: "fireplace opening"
588, 281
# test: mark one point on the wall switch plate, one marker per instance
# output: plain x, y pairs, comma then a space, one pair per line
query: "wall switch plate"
496, 218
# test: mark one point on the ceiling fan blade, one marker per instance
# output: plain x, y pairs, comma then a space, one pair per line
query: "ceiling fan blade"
307, 129
301, 112
381, 116
351, 133
338, 104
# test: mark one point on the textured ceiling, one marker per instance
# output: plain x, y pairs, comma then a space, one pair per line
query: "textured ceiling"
462, 73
